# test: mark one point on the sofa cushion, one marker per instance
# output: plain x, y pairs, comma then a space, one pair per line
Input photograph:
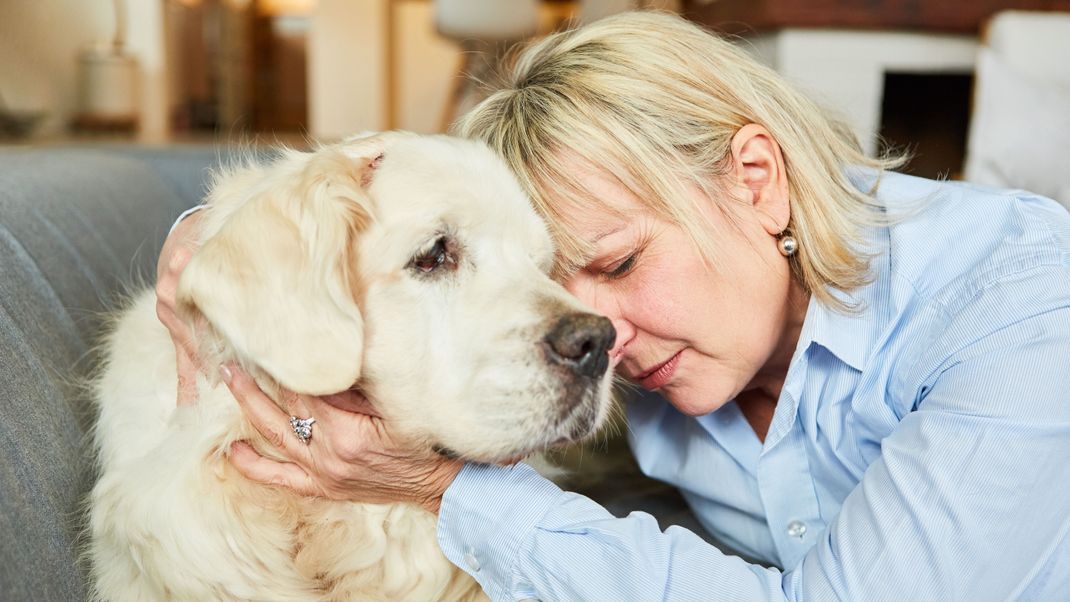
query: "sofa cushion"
78, 228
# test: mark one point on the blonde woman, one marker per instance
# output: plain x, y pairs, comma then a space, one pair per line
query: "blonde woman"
864, 376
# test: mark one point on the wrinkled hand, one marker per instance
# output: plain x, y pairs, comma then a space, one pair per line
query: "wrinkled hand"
175, 254
351, 456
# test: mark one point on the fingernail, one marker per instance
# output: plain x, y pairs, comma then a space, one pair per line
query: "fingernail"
225, 371
238, 448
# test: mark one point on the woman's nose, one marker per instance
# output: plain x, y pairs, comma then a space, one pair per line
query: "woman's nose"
624, 334
587, 293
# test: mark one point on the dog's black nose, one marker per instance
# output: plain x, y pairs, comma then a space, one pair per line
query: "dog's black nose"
582, 342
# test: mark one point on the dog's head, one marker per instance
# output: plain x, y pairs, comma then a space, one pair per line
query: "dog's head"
414, 269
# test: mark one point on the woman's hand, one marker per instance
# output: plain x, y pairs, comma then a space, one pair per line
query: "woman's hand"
350, 456
175, 254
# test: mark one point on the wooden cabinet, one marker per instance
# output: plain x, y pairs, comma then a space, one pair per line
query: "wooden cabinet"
951, 16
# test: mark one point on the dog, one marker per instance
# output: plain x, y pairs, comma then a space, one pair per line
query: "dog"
409, 267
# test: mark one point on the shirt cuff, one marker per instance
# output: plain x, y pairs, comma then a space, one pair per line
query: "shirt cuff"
486, 515
184, 215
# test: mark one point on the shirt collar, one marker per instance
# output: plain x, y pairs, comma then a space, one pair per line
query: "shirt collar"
840, 334
850, 336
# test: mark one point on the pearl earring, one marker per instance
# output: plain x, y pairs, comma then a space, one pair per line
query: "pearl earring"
787, 244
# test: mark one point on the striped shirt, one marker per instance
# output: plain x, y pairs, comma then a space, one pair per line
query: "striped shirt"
919, 450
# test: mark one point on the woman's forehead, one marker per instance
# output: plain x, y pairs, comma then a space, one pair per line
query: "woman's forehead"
583, 202
593, 217
594, 201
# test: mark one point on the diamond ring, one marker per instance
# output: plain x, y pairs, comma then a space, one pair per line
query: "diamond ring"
302, 428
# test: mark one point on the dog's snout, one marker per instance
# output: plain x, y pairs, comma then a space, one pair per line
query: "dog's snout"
582, 342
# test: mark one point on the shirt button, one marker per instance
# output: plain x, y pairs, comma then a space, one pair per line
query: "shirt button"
471, 560
796, 528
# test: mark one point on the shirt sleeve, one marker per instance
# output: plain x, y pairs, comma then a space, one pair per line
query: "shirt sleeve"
521, 537
970, 498
184, 215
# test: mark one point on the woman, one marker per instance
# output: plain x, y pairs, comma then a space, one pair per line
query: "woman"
864, 374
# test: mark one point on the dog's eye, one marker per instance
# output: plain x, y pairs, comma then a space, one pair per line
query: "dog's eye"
439, 256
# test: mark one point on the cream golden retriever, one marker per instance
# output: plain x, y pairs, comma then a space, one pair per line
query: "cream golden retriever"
411, 267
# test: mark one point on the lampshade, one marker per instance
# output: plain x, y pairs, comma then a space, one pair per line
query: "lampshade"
488, 20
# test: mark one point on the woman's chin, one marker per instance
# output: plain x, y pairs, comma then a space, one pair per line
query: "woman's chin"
693, 403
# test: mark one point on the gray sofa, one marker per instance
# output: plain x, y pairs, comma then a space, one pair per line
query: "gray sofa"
77, 228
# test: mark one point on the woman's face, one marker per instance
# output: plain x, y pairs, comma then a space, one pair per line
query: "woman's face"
700, 335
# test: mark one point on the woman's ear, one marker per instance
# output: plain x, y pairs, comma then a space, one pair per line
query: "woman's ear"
276, 281
761, 177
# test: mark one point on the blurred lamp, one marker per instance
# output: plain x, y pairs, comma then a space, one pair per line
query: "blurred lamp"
486, 20
108, 82
285, 7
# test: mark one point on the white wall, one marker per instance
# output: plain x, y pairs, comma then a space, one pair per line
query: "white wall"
844, 69
347, 58
39, 45
346, 67
426, 63
145, 39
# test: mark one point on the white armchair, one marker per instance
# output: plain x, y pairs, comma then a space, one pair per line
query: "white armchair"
1020, 128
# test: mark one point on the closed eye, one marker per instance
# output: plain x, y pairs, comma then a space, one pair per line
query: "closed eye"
622, 268
616, 271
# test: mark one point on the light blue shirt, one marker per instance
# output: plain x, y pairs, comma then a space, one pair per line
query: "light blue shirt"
919, 450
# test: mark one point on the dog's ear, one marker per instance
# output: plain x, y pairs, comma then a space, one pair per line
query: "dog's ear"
277, 280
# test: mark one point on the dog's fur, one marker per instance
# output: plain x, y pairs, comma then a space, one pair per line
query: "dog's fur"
311, 275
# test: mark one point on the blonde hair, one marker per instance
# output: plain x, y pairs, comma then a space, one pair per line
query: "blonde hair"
654, 101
